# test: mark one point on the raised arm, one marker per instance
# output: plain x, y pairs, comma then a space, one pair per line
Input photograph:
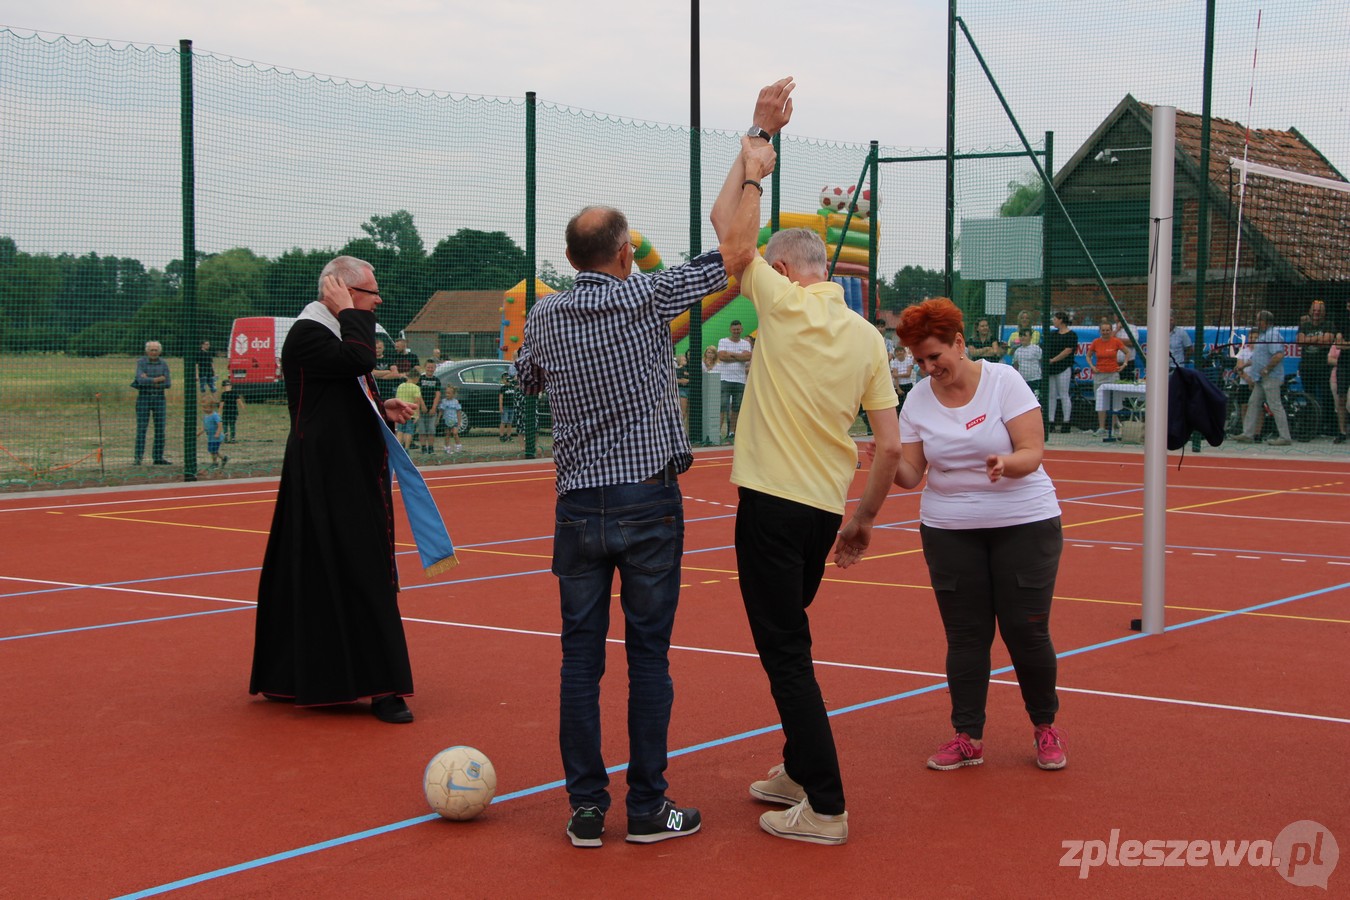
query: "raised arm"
741, 234
773, 110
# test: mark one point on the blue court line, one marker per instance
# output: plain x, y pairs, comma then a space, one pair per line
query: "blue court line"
684, 751
209, 612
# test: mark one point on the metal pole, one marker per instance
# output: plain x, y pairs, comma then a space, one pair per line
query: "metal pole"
872, 302
1202, 207
776, 186
190, 328
1162, 177
98, 405
949, 263
696, 434
531, 410
1047, 292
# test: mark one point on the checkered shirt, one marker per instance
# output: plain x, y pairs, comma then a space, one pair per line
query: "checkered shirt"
603, 351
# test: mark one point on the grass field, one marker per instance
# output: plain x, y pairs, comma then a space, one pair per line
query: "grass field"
52, 407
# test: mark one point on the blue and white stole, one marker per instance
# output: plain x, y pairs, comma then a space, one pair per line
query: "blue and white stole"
428, 528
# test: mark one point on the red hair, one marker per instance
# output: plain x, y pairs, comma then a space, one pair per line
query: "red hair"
937, 318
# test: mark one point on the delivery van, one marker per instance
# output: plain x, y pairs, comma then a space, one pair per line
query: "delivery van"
255, 354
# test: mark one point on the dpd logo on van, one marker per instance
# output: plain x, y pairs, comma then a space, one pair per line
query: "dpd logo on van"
240, 344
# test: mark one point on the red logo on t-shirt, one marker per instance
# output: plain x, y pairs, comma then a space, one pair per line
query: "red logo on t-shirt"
973, 422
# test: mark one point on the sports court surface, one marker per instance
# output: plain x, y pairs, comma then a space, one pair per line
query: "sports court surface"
136, 763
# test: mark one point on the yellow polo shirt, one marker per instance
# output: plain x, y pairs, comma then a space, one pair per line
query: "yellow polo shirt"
816, 361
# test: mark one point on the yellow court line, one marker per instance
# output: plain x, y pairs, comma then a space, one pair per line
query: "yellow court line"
114, 514
439, 487
709, 569
178, 524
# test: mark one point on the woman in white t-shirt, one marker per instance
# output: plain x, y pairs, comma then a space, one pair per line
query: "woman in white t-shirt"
989, 522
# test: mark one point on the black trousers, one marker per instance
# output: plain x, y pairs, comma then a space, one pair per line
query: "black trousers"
1004, 576
781, 548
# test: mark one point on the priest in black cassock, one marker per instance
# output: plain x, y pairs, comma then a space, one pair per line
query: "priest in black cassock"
328, 624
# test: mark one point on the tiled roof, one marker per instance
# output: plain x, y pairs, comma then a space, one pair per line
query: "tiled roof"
457, 311
1308, 226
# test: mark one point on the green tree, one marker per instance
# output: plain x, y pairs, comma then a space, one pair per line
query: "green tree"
292, 281
30, 286
396, 250
471, 260
911, 285
1022, 194
396, 232
555, 279
229, 285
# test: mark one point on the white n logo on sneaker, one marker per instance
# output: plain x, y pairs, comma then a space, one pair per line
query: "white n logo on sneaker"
675, 821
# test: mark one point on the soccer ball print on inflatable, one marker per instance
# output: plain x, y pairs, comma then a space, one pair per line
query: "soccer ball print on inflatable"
837, 199
459, 782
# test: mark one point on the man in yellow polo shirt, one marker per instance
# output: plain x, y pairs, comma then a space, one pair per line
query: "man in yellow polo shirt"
816, 362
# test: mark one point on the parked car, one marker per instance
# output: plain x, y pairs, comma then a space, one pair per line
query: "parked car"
477, 384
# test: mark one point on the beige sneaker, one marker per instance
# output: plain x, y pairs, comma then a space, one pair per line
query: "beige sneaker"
1278, 442
800, 823
778, 788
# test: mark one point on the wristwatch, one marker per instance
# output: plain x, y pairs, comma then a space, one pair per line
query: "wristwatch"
755, 131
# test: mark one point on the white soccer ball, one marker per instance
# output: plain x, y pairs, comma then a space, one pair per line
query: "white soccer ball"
835, 199
459, 782
1120, 357
864, 205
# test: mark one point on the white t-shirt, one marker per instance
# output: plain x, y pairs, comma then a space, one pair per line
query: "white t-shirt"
1027, 360
735, 369
956, 441
904, 370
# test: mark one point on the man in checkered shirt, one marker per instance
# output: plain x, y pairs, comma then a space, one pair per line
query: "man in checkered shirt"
603, 352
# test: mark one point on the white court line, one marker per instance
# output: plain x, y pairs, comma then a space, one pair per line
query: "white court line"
891, 670
713, 651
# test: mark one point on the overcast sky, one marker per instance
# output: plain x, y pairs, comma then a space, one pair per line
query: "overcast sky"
865, 70
624, 57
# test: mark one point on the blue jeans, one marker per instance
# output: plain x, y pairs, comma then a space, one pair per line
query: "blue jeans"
638, 529
150, 405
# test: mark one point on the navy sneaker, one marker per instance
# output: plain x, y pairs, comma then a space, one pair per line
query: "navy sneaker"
669, 821
586, 826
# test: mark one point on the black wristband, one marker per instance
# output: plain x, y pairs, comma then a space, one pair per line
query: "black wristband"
757, 186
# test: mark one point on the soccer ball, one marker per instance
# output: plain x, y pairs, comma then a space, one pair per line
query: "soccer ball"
460, 783
835, 199
864, 205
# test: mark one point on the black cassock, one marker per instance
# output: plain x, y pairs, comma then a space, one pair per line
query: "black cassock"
328, 624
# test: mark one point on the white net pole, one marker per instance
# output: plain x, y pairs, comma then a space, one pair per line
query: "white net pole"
1162, 184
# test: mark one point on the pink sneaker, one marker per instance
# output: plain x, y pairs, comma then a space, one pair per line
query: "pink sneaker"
1050, 747
957, 752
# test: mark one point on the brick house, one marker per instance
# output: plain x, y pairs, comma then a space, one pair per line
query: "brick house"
1295, 240
463, 324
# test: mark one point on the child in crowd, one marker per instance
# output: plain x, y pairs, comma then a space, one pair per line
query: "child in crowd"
409, 392
450, 410
506, 405
230, 401
215, 433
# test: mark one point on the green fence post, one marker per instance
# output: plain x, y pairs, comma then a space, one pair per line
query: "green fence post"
189, 306
531, 410
1047, 292
1202, 207
949, 258
696, 435
872, 302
